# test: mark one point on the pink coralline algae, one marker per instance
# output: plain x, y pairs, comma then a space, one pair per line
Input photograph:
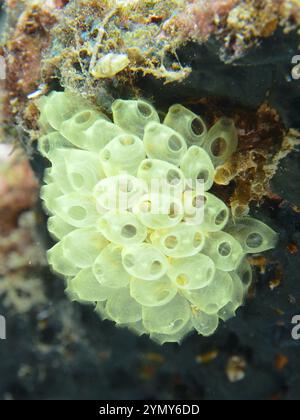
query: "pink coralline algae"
238, 22
200, 18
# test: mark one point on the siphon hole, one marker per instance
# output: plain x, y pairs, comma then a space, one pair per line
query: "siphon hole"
174, 211
199, 201
127, 140
175, 143
129, 261
129, 231
171, 242
221, 217
218, 147
144, 109
147, 165
146, 207
203, 175
182, 280
77, 213
225, 249
198, 239
126, 186
175, 109
78, 180
173, 177
197, 127
156, 268
83, 117
247, 278
177, 324
254, 240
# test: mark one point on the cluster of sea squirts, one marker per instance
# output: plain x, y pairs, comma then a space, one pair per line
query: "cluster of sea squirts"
138, 233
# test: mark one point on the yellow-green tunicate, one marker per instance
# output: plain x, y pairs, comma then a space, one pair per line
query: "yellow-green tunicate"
216, 213
162, 177
49, 194
192, 273
47, 176
122, 308
254, 235
225, 251
135, 327
183, 240
193, 207
58, 108
215, 296
159, 211
100, 309
120, 192
173, 338
197, 168
59, 263
152, 293
108, 268
236, 301
145, 262
71, 294
245, 273
43, 122
86, 286
221, 141
123, 154
74, 128
77, 209
58, 172
58, 228
51, 142
188, 124
161, 142
83, 256
139, 237
133, 116
206, 325
169, 318
122, 228
102, 132
82, 168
